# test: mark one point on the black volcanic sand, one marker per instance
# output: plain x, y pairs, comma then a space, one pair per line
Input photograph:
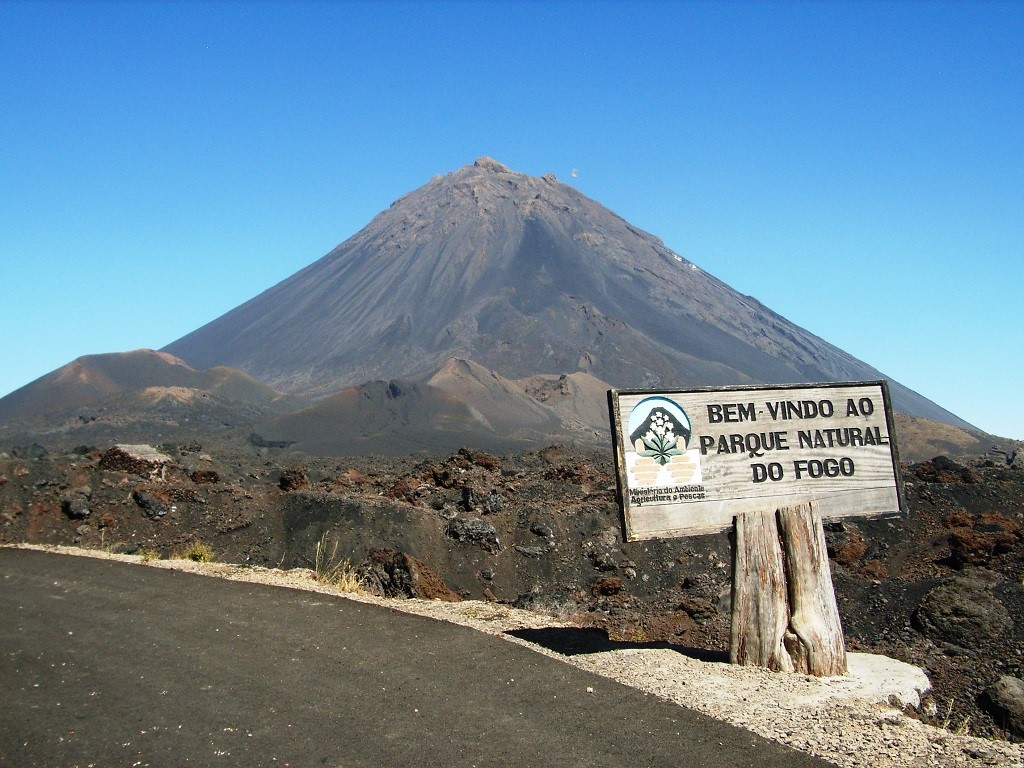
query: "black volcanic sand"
941, 589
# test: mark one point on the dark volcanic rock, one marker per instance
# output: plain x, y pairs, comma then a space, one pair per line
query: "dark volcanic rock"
142, 460
845, 544
150, 506
602, 556
474, 531
1005, 702
606, 586
963, 611
76, 506
977, 542
34, 451
389, 573
542, 529
943, 469
202, 476
532, 551
293, 479
258, 441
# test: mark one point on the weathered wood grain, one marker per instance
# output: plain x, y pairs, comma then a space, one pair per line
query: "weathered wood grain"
813, 457
669, 521
818, 647
784, 611
760, 609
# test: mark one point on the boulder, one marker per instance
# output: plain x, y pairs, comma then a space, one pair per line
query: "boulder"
970, 547
845, 544
700, 610
34, 451
538, 528
963, 611
390, 573
487, 502
480, 459
494, 503
474, 531
294, 479
258, 441
605, 586
1004, 700
149, 505
538, 551
975, 540
201, 476
601, 555
943, 469
76, 506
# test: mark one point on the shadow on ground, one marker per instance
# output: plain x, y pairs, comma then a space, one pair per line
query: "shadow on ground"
574, 641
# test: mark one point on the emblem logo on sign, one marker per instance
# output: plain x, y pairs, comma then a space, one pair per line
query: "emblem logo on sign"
658, 454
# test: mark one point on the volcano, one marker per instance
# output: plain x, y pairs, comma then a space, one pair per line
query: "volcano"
524, 276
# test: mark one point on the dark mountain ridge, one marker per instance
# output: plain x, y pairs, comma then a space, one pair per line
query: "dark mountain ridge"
523, 275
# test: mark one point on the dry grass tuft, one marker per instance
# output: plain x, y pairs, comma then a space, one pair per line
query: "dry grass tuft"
197, 551
335, 572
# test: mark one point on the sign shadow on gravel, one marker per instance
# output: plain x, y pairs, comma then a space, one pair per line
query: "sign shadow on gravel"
575, 641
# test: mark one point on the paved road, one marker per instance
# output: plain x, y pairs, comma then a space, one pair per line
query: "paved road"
111, 664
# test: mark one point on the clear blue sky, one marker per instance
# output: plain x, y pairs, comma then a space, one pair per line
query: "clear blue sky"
857, 167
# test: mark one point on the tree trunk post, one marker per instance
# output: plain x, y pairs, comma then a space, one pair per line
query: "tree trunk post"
784, 611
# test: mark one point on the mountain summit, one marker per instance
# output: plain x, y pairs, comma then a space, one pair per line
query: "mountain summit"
523, 275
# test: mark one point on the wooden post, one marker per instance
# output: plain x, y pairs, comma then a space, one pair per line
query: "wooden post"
760, 611
784, 612
819, 648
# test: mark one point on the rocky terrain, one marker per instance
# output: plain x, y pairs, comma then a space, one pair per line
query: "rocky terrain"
942, 588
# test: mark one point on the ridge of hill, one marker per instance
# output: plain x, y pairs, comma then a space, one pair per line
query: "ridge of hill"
137, 396
92, 378
579, 399
146, 396
461, 404
502, 403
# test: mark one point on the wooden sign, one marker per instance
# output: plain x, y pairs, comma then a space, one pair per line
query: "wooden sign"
690, 461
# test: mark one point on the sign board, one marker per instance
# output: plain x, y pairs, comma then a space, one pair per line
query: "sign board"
689, 461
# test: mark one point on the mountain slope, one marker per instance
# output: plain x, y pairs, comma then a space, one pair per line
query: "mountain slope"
387, 418
525, 276
502, 403
463, 403
93, 379
578, 399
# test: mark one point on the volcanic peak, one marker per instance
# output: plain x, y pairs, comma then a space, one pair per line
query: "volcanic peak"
523, 275
490, 164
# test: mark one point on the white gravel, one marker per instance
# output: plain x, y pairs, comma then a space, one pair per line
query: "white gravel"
845, 720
